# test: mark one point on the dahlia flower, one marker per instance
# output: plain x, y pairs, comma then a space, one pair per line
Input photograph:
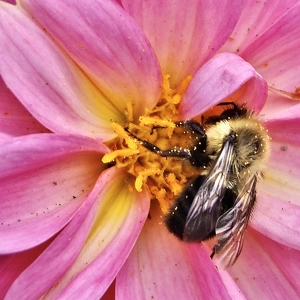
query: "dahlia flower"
81, 202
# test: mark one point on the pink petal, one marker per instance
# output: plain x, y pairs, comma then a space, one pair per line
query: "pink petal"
161, 267
277, 106
108, 45
11, 266
48, 268
277, 218
218, 80
275, 54
44, 179
118, 216
185, 34
266, 269
277, 213
15, 120
230, 283
47, 82
255, 19
283, 165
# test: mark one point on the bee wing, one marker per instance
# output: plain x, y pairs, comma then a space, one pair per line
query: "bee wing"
231, 226
206, 207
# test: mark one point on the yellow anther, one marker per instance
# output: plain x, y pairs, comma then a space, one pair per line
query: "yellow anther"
109, 157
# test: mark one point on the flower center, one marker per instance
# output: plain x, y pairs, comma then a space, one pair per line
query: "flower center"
163, 177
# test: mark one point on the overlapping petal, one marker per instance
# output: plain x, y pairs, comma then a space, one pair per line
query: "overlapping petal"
278, 107
48, 268
275, 55
158, 261
15, 120
118, 215
44, 179
12, 265
255, 19
47, 82
225, 77
266, 269
285, 145
277, 218
108, 45
71, 240
186, 33
278, 206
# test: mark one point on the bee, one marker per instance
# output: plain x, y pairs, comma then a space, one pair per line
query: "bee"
231, 149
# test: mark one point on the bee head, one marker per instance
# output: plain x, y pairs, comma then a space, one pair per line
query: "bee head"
251, 144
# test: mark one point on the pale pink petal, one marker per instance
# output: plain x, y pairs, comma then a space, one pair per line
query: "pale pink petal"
276, 106
11, 266
185, 33
277, 218
233, 290
48, 268
108, 45
275, 54
44, 178
219, 79
277, 213
266, 269
15, 120
119, 214
255, 19
283, 166
53, 89
161, 267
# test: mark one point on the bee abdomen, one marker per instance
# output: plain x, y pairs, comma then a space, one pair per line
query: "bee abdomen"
175, 220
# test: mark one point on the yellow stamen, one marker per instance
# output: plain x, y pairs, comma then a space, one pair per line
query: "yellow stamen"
156, 122
143, 176
129, 111
107, 158
184, 84
163, 177
119, 130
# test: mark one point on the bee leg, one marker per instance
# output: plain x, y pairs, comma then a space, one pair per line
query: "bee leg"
156, 127
230, 113
173, 152
228, 103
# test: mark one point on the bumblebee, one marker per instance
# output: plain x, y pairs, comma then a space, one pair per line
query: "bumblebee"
231, 149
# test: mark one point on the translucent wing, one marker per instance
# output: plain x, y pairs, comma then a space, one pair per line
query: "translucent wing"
231, 226
206, 207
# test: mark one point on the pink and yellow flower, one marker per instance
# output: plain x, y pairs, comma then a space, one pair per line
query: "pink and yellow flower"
69, 225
